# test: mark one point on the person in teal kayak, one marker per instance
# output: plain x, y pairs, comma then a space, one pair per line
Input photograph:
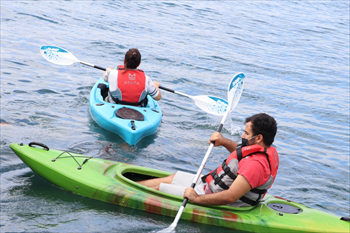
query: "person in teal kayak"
129, 85
242, 179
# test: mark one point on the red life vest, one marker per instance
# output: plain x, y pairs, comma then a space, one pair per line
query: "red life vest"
222, 177
132, 84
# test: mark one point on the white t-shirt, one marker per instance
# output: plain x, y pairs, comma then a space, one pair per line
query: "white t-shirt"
112, 77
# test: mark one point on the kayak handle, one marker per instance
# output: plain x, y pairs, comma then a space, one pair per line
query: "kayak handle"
39, 144
133, 125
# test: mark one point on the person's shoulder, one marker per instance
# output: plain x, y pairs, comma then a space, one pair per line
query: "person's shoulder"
257, 158
253, 158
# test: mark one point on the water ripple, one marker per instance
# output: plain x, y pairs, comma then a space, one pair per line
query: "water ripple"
292, 54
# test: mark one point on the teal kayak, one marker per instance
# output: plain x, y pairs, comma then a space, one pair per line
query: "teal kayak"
114, 182
131, 123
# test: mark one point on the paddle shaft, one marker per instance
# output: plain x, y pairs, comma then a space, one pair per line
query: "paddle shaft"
94, 66
104, 69
199, 172
176, 92
160, 87
233, 99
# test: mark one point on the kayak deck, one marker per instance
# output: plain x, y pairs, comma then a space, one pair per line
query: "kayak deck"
132, 129
114, 182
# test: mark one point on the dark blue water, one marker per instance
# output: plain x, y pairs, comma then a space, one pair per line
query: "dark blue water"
295, 56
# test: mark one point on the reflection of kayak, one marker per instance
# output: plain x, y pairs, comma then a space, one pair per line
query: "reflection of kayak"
112, 182
130, 122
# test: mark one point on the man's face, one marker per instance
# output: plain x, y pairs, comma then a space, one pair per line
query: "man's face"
248, 134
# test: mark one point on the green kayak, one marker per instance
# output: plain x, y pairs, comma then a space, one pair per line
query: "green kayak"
114, 182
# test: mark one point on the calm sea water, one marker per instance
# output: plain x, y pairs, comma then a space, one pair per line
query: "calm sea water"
295, 56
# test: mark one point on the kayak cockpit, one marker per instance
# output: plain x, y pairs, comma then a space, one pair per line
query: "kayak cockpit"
137, 176
131, 174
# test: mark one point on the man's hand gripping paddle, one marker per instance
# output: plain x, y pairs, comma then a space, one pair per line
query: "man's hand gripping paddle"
210, 104
235, 90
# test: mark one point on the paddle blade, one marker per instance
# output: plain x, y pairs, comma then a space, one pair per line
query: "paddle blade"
58, 55
235, 90
211, 104
169, 229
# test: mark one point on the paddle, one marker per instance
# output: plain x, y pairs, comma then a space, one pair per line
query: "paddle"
235, 90
210, 104
61, 56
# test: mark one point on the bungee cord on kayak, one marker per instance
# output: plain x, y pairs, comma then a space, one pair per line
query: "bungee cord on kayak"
74, 157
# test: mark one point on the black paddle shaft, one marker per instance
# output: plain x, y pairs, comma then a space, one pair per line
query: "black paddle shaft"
184, 203
100, 68
167, 89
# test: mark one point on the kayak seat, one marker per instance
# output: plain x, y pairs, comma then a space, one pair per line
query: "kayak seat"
104, 90
129, 113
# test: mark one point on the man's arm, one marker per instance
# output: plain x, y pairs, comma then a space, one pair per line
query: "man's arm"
238, 188
222, 141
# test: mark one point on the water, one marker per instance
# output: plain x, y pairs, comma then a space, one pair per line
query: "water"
295, 56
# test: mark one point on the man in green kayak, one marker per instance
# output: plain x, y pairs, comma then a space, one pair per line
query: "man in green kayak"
242, 179
129, 85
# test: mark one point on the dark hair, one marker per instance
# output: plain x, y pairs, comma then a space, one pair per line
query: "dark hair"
132, 58
265, 125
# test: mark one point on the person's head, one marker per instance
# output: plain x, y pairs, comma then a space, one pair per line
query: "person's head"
260, 129
132, 59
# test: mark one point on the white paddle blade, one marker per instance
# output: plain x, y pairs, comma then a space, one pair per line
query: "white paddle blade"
169, 229
235, 90
211, 104
58, 55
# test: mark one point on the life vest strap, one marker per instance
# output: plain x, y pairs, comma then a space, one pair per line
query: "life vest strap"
121, 67
239, 153
218, 180
259, 191
204, 177
142, 103
227, 170
249, 201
